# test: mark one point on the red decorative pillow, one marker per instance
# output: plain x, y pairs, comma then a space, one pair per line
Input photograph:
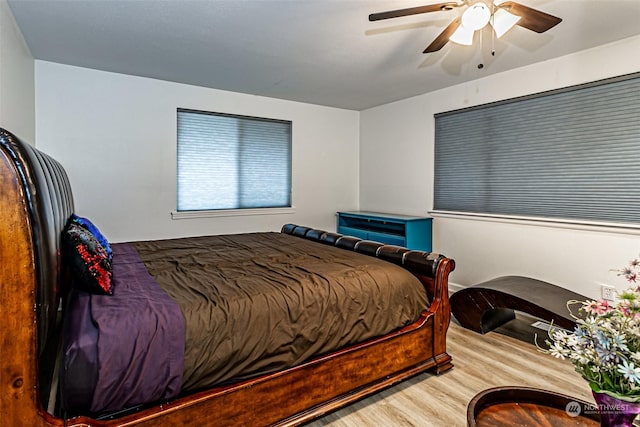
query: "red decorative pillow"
90, 264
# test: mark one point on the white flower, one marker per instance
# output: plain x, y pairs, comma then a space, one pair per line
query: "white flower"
629, 371
558, 351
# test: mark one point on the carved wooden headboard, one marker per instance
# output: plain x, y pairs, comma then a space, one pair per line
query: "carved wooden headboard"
35, 204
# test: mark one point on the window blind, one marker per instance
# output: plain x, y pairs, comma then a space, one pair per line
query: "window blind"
572, 154
232, 162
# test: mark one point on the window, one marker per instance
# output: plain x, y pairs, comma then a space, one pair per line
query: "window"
232, 162
570, 154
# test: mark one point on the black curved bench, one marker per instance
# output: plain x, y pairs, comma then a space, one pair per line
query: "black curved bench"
488, 305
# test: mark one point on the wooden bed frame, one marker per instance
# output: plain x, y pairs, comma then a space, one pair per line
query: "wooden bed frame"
35, 203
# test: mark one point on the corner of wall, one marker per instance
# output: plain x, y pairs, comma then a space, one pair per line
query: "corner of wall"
17, 82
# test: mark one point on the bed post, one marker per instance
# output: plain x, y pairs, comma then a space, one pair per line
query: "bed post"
442, 314
19, 399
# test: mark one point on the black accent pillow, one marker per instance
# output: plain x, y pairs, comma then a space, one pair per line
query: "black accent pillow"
90, 264
86, 223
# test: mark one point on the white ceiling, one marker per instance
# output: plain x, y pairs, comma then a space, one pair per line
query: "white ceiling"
316, 51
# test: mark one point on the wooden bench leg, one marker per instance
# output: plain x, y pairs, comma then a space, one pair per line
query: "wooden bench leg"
478, 313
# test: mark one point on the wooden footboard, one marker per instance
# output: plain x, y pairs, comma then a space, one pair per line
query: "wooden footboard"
35, 201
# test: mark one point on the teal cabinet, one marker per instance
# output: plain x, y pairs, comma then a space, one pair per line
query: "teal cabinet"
412, 232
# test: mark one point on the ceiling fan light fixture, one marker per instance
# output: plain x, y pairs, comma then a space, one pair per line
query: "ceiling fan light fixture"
462, 36
476, 16
502, 21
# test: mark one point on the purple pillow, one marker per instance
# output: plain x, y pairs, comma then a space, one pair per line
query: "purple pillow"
90, 264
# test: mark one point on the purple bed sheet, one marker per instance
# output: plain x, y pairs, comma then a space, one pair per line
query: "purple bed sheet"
134, 365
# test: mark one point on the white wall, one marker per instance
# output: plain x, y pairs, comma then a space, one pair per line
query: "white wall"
115, 135
398, 138
17, 101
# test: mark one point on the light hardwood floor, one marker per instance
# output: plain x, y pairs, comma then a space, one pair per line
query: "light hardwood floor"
480, 362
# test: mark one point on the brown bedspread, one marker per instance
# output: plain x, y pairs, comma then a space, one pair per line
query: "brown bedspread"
255, 303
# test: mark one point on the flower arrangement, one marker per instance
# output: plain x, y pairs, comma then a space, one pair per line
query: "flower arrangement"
605, 345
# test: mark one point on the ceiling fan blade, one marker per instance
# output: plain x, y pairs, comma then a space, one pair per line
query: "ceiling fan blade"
413, 11
443, 37
531, 19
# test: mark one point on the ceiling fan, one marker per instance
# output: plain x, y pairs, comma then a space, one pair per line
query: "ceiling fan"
477, 14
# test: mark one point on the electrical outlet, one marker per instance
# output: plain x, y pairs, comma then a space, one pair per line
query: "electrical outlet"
608, 292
